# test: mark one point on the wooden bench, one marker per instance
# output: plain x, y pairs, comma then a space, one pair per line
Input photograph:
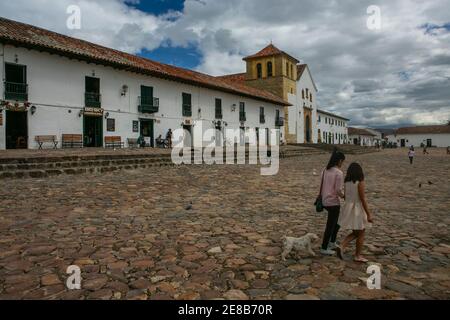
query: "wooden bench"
132, 143
113, 142
47, 139
72, 141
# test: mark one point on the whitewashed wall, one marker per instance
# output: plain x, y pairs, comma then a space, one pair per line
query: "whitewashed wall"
306, 82
438, 140
333, 129
57, 87
368, 141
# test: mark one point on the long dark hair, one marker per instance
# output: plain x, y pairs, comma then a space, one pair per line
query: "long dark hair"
336, 156
354, 173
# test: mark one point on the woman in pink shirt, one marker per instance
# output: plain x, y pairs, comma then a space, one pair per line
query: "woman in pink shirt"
331, 192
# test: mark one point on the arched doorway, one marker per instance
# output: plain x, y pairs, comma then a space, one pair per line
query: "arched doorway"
308, 129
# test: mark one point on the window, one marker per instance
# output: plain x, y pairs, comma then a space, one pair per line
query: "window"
292, 71
187, 105
218, 108
307, 93
287, 69
135, 126
269, 69
262, 118
310, 97
110, 125
147, 103
319, 119
242, 115
16, 82
259, 70
92, 97
303, 94
326, 120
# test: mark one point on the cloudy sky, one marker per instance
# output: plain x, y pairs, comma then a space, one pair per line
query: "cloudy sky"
397, 75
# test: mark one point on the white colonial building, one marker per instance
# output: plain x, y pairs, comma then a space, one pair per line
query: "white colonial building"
430, 136
362, 137
331, 128
54, 85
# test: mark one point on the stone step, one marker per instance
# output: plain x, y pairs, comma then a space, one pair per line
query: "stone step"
76, 171
53, 166
78, 164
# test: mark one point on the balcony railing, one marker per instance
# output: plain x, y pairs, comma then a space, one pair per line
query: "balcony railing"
16, 91
242, 116
219, 115
279, 122
93, 99
187, 110
148, 104
262, 118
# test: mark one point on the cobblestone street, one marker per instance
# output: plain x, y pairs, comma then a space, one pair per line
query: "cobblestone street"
133, 238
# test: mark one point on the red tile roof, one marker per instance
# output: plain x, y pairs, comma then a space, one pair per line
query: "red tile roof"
24, 35
268, 51
424, 129
332, 114
359, 132
237, 77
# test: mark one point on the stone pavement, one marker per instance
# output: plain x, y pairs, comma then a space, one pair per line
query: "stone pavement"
133, 238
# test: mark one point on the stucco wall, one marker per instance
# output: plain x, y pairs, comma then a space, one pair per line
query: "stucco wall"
438, 140
57, 86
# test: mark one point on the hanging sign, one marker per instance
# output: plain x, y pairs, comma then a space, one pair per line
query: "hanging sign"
93, 112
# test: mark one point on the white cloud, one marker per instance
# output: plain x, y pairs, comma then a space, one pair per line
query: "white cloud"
396, 75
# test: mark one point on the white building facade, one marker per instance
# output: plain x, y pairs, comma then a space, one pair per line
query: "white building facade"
430, 136
362, 137
331, 128
49, 93
303, 112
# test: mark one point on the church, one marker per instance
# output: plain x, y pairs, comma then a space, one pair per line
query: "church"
69, 92
278, 72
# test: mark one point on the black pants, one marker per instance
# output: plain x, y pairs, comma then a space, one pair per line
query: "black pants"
332, 227
411, 160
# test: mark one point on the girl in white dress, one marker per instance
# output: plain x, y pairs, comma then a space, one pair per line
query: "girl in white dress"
355, 214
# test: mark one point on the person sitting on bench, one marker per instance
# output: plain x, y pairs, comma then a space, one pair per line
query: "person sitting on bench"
160, 142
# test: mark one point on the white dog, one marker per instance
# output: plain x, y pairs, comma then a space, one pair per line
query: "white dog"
302, 243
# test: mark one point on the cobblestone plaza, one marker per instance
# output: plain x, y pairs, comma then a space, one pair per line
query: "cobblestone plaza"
132, 237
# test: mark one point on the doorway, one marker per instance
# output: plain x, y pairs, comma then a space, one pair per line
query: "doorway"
147, 130
16, 129
308, 129
402, 143
242, 136
219, 136
188, 139
93, 132
429, 143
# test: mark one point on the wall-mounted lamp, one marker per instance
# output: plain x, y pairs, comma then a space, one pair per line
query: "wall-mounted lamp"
80, 114
233, 107
93, 73
124, 90
106, 115
16, 58
33, 110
